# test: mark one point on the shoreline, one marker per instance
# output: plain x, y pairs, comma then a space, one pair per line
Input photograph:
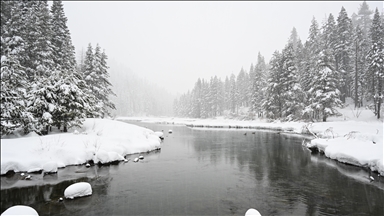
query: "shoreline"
343, 141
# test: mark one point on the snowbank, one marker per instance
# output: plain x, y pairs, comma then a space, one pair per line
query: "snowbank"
20, 210
100, 140
79, 189
359, 151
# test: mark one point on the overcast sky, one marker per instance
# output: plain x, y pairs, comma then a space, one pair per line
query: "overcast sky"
174, 43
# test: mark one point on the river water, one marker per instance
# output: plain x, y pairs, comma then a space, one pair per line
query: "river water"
208, 172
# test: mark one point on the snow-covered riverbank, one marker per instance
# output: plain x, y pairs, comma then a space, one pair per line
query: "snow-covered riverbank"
348, 139
100, 140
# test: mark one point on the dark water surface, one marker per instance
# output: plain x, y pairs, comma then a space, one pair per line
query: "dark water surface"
208, 172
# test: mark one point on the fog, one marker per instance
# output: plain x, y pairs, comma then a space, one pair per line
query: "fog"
174, 43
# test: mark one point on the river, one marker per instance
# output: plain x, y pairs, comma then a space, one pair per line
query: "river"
208, 172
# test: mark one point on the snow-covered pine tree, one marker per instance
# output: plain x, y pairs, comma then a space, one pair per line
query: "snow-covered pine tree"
232, 93
63, 50
196, 99
106, 85
72, 100
216, 96
343, 49
227, 90
359, 59
273, 101
96, 77
251, 75
376, 60
324, 93
292, 94
13, 78
258, 85
205, 99
364, 18
242, 88
90, 77
311, 50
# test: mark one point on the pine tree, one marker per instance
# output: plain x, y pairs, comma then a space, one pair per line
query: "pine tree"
232, 93
273, 101
90, 77
324, 93
358, 52
311, 50
376, 59
292, 94
105, 85
242, 88
227, 93
343, 49
196, 100
63, 50
258, 85
13, 78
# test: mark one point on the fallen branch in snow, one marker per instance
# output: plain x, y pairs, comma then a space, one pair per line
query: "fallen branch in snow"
306, 126
350, 135
329, 131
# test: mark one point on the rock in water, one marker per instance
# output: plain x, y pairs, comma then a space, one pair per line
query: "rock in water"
79, 189
252, 212
20, 210
50, 167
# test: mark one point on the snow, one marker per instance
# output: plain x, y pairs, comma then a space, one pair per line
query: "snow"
20, 210
100, 140
159, 133
252, 212
79, 189
49, 167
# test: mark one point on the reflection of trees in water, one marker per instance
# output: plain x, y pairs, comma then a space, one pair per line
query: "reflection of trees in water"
285, 175
44, 198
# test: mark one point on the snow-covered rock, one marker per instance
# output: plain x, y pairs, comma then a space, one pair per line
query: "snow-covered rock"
79, 189
107, 157
20, 210
50, 167
159, 133
35, 170
252, 212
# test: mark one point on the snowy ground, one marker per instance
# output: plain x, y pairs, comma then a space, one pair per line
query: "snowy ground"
355, 137
100, 140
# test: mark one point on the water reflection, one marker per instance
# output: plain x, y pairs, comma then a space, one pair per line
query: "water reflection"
208, 172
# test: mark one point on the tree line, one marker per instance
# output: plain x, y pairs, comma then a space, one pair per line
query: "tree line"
41, 84
342, 58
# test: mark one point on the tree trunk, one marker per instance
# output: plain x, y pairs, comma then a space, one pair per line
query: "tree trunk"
379, 100
324, 116
357, 104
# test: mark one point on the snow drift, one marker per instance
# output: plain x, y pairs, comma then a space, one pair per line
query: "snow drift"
100, 140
